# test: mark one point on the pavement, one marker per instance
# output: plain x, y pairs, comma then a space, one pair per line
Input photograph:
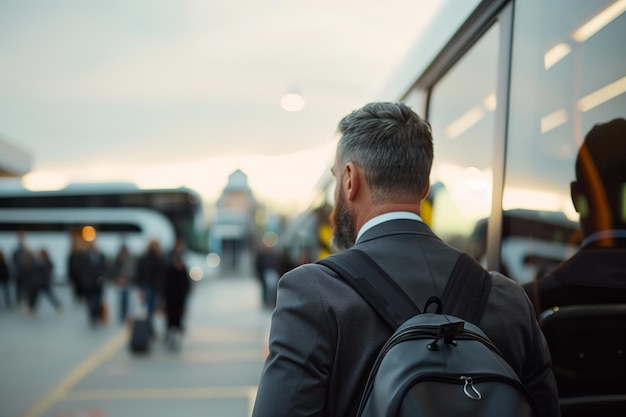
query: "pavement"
55, 365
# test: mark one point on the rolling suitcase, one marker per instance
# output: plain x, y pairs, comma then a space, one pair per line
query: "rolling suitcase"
140, 328
140, 336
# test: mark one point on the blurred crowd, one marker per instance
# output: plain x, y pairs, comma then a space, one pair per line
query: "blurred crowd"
30, 275
153, 281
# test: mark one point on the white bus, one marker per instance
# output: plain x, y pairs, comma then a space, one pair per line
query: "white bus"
510, 89
118, 212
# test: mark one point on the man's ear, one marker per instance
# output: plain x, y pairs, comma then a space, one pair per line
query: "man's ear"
352, 180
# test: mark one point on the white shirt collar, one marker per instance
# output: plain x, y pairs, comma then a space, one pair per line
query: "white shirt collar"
394, 215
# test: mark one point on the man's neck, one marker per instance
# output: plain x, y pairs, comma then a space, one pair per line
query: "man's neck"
383, 208
387, 216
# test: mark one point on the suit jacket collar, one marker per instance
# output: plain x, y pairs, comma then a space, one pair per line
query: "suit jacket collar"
396, 227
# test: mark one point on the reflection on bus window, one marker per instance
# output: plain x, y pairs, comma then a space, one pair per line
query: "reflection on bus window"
558, 92
461, 113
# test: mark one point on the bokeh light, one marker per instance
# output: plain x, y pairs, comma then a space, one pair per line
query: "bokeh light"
270, 239
196, 273
213, 260
292, 102
88, 233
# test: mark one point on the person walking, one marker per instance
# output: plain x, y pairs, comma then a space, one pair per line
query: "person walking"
324, 336
74, 260
5, 281
42, 282
266, 264
21, 269
90, 267
123, 273
30, 280
149, 276
176, 287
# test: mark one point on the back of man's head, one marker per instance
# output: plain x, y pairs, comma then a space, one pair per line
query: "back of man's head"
393, 146
601, 172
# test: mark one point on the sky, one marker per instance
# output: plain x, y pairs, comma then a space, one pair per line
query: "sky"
170, 93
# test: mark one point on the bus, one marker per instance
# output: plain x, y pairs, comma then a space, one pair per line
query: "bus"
117, 212
510, 89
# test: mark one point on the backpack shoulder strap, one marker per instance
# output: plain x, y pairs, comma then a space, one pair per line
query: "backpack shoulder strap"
465, 294
373, 284
467, 290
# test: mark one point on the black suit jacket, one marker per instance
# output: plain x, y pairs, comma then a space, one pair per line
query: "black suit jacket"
324, 337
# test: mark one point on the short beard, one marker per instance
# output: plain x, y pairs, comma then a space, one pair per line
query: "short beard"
343, 226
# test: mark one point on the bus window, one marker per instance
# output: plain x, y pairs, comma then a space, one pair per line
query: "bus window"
558, 92
461, 113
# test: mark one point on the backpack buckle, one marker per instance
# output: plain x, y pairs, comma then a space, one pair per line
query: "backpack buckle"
447, 332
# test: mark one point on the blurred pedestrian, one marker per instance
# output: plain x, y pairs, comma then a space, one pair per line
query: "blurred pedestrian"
73, 261
5, 282
90, 269
176, 287
30, 280
266, 268
123, 272
41, 281
149, 276
20, 269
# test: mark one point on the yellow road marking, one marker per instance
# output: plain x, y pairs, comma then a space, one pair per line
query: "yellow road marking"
224, 356
61, 389
162, 393
236, 355
252, 399
222, 335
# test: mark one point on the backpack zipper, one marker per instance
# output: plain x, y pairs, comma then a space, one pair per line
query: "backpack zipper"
418, 330
475, 394
422, 332
468, 381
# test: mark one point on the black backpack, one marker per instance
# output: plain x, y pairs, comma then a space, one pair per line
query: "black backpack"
434, 364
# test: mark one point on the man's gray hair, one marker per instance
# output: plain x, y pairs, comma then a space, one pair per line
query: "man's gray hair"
393, 146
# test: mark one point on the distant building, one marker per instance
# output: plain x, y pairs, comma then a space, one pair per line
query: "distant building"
233, 225
14, 162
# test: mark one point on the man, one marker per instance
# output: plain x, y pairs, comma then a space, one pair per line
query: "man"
596, 274
22, 268
149, 277
176, 289
123, 273
91, 268
73, 265
324, 336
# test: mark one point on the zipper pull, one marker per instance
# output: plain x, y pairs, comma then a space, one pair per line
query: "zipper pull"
468, 382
